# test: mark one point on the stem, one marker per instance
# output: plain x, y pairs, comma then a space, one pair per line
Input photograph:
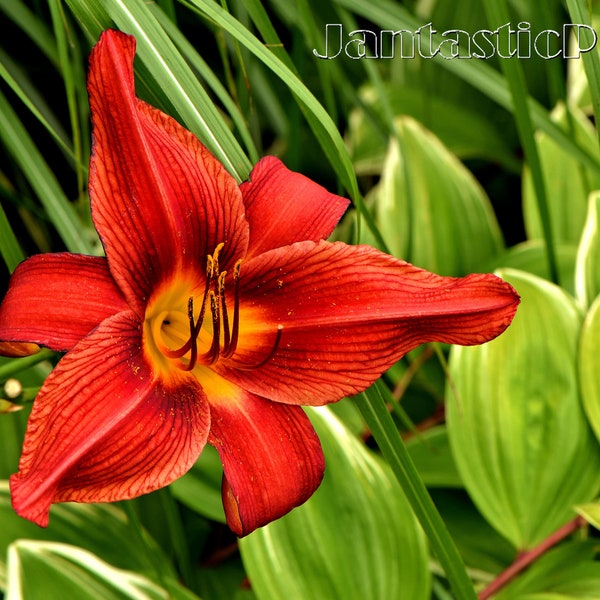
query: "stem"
20, 364
526, 558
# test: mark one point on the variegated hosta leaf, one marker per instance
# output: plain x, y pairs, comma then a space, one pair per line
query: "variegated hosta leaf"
589, 365
430, 209
568, 183
521, 442
587, 273
356, 538
53, 571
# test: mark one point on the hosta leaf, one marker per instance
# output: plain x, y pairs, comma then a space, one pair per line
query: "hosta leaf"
430, 209
590, 512
567, 572
531, 256
431, 454
589, 365
101, 529
200, 488
568, 183
465, 132
54, 571
356, 538
587, 274
520, 439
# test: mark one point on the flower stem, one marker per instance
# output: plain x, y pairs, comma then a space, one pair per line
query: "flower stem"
525, 559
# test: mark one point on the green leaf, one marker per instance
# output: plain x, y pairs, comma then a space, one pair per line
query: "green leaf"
431, 454
580, 12
482, 548
589, 365
466, 133
373, 407
10, 248
530, 256
390, 15
319, 120
430, 209
590, 512
101, 529
42, 180
171, 73
200, 488
54, 571
520, 439
568, 571
568, 183
587, 273
355, 538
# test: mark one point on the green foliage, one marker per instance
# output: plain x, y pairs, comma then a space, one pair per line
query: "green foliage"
519, 436
355, 538
445, 153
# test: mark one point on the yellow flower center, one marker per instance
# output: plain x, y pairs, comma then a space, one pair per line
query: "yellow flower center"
190, 322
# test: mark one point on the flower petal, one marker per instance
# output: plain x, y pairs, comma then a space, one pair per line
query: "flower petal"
161, 201
103, 428
347, 314
271, 456
56, 299
284, 207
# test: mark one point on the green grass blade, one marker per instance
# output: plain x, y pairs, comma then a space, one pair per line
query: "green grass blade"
170, 71
31, 98
69, 78
9, 245
579, 13
261, 20
196, 61
320, 122
497, 14
391, 15
373, 409
36, 29
58, 208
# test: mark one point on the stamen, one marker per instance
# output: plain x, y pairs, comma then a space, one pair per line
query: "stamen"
214, 292
212, 355
229, 349
266, 359
192, 341
221, 292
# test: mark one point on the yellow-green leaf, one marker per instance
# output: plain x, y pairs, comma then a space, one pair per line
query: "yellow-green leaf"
587, 272
517, 429
568, 182
430, 209
356, 538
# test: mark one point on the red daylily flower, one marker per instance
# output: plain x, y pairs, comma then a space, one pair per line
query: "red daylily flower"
218, 310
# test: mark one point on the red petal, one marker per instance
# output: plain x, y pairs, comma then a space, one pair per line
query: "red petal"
56, 299
348, 313
271, 456
284, 207
103, 428
160, 200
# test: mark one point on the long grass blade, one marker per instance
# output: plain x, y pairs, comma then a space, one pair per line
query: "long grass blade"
373, 409
497, 13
